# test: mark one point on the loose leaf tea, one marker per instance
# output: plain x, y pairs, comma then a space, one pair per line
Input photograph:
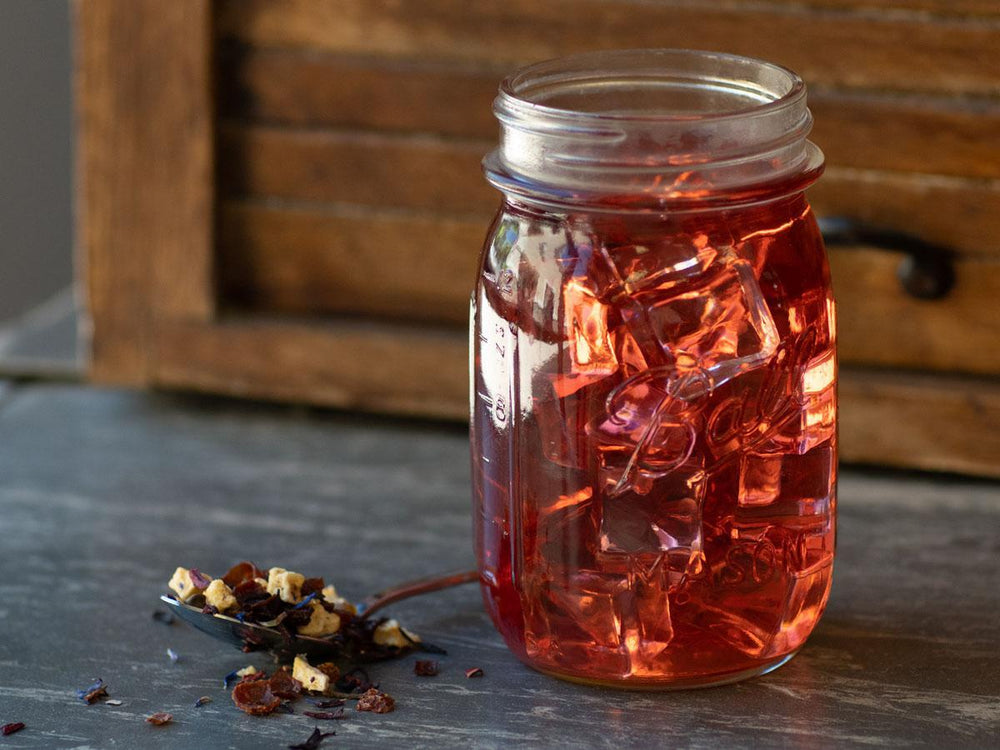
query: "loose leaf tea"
326, 715
474, 672
14, 726
314, 741
425, 668
160, 718
376, 701
202, 701
292, 606
93, 692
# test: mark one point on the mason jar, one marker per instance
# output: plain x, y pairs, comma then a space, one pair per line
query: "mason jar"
654, 407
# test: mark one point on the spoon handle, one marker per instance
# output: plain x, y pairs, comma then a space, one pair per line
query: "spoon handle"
377, 601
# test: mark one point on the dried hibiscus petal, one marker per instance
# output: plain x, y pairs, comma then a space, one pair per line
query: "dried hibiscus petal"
14, 726
255, 697
376, 701
312, 586
474, 672
314, 740
199, 579
284, 685
425, 668
240, 572
160, 718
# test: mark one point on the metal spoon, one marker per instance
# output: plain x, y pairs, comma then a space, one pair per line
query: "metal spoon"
243, 634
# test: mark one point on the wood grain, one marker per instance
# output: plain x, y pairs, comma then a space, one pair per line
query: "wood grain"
443, 175
919, 421
941, 423
881, 325
145, 173
934, 135
305, 261
908, 52
362, 365
310, 262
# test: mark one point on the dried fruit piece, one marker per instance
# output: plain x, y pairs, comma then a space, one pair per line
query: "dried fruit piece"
255, 697
240, 572
474, 672
202, 701
160, 718
14, 726
112, 703
425, 668
376, 701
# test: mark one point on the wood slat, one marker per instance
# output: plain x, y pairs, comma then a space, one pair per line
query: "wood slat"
907, 52
355, 365
936, 422
425, 173
934, 135
307, 262
145, 173
939, 423
882, 325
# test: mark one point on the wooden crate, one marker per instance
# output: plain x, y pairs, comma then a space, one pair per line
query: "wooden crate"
282, 199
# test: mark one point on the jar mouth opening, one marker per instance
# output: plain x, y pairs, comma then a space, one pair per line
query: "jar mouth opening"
649, 85
671, 125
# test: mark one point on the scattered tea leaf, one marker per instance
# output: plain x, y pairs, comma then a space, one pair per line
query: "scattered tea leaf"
202, 701
376, 701
14, 726
314, 740
474, 672
425, 668
93, 692
160, 718
326, 715
174, 656
326, 703
113, 703
285, 707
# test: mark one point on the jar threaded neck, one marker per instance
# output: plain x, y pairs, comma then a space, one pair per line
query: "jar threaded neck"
661, 127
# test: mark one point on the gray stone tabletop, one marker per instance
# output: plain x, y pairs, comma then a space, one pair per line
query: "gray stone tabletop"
103, 493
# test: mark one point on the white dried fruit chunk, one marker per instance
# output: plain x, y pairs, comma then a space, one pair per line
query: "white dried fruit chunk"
330, 594
219, 595
286, 584
390, 634
248, 670
311, 678
184, 585
320, 622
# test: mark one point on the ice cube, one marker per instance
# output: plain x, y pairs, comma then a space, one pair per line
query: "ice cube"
718, 321
666, 520
786, 484
660, 262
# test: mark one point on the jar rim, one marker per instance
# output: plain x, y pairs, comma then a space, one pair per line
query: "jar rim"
603, 64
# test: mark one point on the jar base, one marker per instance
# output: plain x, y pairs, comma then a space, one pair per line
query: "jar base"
691, 683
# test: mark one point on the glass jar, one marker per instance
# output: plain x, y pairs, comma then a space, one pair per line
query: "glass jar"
654, 371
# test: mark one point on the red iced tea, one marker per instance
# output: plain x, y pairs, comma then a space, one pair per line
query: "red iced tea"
654, 432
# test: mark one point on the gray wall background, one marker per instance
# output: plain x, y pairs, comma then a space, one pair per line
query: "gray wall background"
35, 153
